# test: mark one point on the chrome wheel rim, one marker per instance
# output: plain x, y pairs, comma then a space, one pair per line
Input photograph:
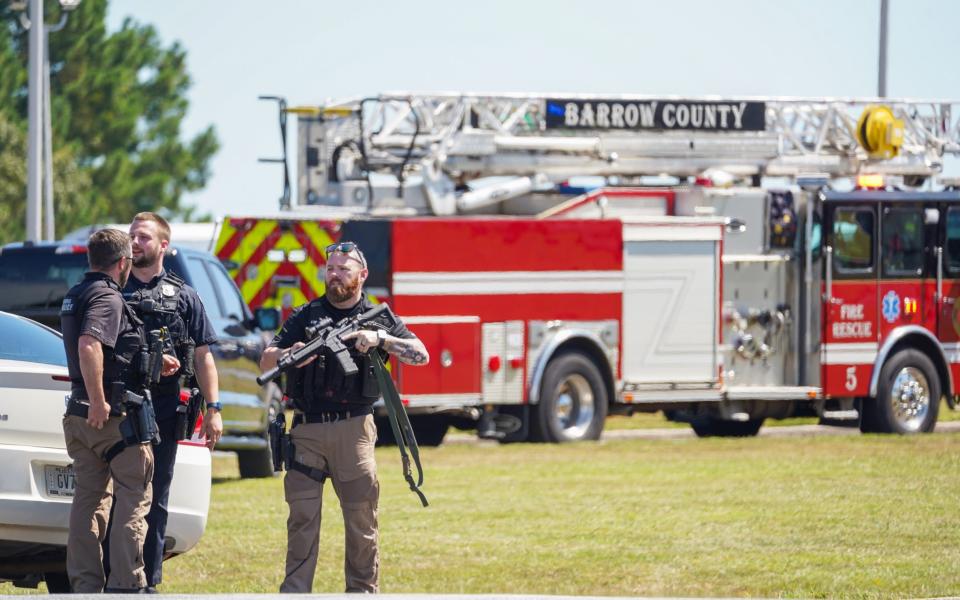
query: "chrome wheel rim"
910, 398
574, 409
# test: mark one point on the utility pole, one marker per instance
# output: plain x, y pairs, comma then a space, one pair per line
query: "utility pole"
35, 125
882, 76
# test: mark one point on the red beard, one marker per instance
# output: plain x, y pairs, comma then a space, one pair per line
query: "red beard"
340, 291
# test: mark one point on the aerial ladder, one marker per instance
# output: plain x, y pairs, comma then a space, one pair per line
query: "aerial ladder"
455, 153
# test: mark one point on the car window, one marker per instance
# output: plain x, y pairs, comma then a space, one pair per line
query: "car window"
232, 302
38, 279
21, 339
201, 282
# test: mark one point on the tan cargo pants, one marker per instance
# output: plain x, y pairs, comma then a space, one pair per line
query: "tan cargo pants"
344, 450
127, 477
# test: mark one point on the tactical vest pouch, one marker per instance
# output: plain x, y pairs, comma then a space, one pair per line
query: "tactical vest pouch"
371, 389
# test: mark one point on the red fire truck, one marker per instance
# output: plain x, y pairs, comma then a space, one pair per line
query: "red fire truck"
733, 266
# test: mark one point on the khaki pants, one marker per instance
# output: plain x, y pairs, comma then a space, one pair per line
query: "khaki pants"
344, 450
126, 478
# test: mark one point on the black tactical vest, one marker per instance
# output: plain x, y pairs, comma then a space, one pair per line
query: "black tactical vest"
321, 386
158, 306
117, 361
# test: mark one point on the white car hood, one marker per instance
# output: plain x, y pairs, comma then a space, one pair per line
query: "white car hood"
32, 403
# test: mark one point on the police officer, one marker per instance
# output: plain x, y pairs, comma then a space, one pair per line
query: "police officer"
334, 432
163, 299
101, 337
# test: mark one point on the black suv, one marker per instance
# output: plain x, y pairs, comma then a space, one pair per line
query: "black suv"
34, 278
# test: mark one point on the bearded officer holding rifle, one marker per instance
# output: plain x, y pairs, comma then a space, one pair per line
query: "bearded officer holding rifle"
333, 433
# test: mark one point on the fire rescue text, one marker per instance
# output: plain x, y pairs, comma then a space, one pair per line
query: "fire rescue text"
852, 324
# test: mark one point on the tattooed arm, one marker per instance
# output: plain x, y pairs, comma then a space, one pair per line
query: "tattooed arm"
407, 350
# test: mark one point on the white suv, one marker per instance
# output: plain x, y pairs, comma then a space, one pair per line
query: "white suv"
36, 480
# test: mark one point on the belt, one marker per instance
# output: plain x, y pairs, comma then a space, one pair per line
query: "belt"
331, 416
79, 409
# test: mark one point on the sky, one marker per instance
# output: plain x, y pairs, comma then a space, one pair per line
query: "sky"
312, 51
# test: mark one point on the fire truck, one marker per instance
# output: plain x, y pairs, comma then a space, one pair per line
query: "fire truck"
565, 257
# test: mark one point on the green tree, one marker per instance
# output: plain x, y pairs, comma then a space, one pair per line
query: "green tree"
117, 104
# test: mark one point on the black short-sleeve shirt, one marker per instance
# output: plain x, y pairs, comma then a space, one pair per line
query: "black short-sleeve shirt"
100, 318
294, 329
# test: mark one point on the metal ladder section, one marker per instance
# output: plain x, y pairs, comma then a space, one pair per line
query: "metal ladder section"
452, 138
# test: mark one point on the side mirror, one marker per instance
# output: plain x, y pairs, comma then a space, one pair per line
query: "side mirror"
268, 319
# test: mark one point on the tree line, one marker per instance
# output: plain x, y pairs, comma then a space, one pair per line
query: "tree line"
117, 103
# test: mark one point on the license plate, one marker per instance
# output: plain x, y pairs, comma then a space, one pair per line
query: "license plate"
61, 481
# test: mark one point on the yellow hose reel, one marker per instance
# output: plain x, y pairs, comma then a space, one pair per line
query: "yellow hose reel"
879, 132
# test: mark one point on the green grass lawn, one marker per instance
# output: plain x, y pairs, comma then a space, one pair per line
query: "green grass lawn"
657, 420
850, 516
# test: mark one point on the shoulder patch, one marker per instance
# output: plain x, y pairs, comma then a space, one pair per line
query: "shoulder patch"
67, 307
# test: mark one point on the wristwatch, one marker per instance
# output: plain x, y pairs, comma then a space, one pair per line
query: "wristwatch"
381, 338
215, 405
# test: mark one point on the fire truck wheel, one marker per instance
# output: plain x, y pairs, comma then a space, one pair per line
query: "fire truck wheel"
908, 395
429, 429
705, 426
573, 401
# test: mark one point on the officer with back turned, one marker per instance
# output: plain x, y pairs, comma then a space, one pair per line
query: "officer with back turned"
333, 432
103, 340
162, 299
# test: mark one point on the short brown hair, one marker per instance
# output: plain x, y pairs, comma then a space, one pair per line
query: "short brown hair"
162, 224
107, 246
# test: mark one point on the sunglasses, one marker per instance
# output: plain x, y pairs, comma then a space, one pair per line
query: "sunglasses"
347, 248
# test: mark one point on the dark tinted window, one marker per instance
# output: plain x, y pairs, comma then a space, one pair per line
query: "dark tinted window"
201, 282
953, 239
24, 340
902, 242
37, 279
232, 303
853, 239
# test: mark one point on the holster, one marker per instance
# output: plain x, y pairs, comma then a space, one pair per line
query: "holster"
187, 414
281, 446
140, 424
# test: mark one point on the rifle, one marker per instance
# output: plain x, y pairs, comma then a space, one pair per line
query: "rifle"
325, 335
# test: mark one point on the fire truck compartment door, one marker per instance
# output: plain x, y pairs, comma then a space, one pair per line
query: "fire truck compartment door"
454, 368
671, 303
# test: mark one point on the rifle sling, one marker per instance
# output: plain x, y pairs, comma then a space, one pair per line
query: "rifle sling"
400, 423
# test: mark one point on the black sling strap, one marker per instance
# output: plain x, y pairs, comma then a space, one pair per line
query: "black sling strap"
315, 474
400, 423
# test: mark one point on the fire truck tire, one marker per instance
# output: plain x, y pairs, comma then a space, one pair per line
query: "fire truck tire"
429, 429
908, 396
573, 401
255, 463
705, 426
57, 582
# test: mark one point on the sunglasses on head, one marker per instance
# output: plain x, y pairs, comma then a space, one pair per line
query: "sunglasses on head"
347, 248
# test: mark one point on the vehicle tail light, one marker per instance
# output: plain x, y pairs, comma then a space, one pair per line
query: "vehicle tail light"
61, 378
72, 249
516, 362
493, 365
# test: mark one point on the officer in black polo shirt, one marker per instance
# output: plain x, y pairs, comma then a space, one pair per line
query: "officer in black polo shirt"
173, 304
102, 338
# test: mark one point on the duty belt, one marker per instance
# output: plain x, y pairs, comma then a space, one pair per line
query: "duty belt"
330, 416
75, 408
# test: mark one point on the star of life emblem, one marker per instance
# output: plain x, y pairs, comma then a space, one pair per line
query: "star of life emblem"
891, 306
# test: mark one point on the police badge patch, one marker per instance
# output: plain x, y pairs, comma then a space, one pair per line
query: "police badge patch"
168, 290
